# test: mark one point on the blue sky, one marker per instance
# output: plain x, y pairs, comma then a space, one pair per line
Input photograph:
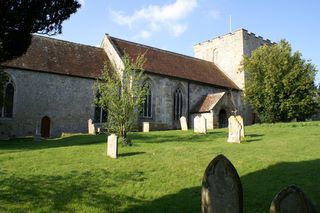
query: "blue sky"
177, 25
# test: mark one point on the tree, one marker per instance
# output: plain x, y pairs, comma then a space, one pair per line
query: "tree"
280, 85
122, 95
20, 18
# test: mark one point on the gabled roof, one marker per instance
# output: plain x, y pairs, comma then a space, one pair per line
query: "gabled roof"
175, 65
61, 57
207, 102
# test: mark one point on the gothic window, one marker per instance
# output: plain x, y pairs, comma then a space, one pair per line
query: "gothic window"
147, 104
7, 108
100, 115
177, 104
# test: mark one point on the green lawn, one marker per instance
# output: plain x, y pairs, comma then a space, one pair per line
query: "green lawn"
161, 172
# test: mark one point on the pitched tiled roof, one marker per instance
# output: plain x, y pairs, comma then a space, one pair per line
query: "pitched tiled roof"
207, 102
175, 65
61, 57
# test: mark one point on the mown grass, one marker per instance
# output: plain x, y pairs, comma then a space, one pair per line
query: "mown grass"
161, 172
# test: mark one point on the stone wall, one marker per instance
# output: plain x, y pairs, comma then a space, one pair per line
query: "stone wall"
66, 100
163, 89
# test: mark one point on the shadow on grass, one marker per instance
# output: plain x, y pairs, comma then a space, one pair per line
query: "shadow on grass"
30, 144
259, 189
253, 137
177, 136
98, 190
69, 193
127, 154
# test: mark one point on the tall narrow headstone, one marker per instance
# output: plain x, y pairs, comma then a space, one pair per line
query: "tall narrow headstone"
291, 200
183, 123
37, 135
234, 130
221, 188
200, 124
112, 150
91, 129
146, 126
240, 120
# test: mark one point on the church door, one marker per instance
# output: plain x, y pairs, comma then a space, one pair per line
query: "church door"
223, 119
45, 127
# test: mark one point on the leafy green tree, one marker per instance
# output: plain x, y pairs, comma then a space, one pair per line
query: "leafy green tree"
20, 18
122, 95
280, 85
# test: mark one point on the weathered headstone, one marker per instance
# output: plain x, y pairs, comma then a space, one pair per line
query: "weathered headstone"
234, 130
91, 129
221, 188
183, 123
200, 124
112, 150
291, 200
37, 135
240, 120
146, 126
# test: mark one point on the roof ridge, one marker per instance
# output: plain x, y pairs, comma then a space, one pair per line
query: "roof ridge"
162, 50
64, 41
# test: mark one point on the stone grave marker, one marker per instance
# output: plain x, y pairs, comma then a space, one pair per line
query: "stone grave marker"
221, 188
91, 129
112, 150
234, 130
37, 135
146, 126
291, 200
240, 120
183, 123
200, 124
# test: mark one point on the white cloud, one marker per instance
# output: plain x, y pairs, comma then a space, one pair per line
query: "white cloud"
153, 18
82, 2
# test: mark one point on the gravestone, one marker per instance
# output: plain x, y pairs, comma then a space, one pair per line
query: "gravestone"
112, 150
146, 126
234, 130
91, 129
183, 123
240, 120
291, 200
221, 188
37, 135
200, 124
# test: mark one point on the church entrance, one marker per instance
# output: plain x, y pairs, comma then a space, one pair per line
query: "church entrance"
45, 127
223, 118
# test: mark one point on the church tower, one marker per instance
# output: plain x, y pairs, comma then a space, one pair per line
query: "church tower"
228, 50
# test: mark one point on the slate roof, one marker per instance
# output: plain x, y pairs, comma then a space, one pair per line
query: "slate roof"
61, 57
175, 65
207, 102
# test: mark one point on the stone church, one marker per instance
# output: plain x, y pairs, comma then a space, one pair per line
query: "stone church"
50, 87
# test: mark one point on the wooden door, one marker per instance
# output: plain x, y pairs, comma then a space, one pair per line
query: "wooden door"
45, 127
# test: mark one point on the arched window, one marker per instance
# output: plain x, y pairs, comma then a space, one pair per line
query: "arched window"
177, 104
147, 104
7, 108
100, 115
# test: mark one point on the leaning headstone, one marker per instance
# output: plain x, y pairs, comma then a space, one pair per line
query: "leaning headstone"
112, 150
91, 129
291, 200
183, 123
200, 124
221, 188
234, 130
146, 126
240, 120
